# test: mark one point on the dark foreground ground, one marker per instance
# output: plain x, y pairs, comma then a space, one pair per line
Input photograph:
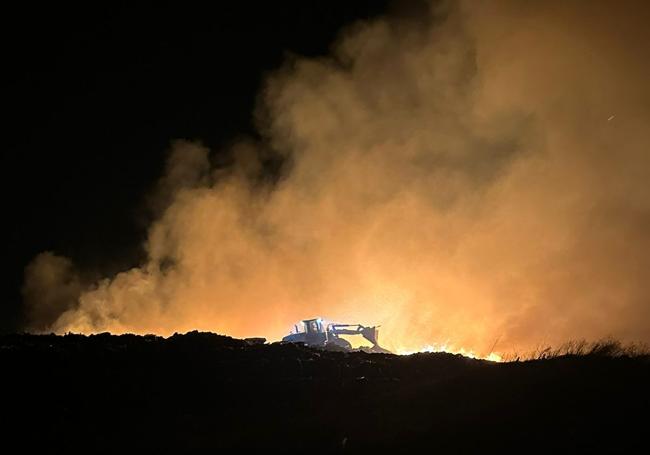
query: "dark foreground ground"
205, 391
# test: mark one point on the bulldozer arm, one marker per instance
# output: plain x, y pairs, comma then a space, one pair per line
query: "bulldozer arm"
371, 334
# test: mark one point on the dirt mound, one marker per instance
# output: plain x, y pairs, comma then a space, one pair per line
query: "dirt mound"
207, 391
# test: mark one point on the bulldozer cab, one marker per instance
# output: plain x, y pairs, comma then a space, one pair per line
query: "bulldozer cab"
312, 326
314, 332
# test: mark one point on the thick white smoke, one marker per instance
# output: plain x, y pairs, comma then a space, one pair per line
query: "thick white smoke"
478, 174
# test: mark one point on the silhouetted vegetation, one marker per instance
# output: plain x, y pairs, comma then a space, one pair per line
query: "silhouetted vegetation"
602, 348
203, 391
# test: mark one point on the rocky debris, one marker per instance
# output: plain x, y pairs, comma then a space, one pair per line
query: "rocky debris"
201, 391
255, 340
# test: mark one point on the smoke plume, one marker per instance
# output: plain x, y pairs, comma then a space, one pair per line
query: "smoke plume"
476, 173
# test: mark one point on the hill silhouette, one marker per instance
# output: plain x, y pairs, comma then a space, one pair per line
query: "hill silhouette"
200, 391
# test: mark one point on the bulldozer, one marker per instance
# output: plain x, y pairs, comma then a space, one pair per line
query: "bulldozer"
317, 333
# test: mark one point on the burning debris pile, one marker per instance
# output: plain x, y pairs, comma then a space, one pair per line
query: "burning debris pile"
206, 391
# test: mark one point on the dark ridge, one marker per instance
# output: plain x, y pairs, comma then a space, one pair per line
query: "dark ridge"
202, 391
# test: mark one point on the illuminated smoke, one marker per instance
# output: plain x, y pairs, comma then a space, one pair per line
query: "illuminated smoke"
476, 175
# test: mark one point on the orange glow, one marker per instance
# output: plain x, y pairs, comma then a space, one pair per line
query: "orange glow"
461, 179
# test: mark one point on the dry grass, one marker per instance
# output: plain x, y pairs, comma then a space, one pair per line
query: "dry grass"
581, 348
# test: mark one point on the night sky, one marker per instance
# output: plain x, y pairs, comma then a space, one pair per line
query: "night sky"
94, 95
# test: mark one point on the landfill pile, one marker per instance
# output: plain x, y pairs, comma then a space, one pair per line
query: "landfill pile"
201, 391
